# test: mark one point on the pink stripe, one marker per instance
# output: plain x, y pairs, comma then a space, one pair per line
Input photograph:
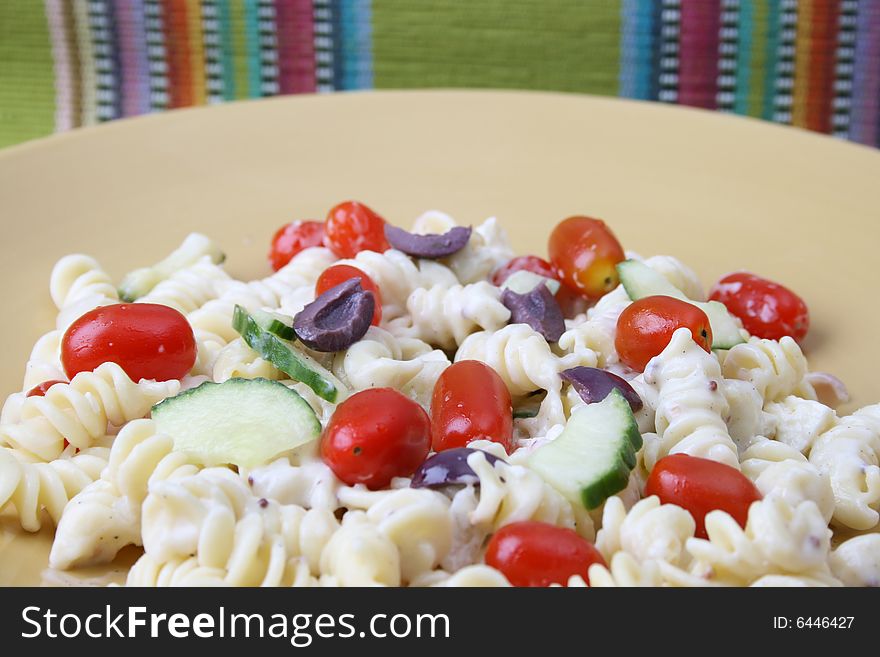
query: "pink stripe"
128, 57
296, 46
867, 113
64, 109
698, 53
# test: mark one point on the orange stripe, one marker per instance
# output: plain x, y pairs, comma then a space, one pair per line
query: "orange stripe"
822, 61
196, 42
801, 91
180, 86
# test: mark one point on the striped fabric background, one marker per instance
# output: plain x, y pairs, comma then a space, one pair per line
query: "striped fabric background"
809, 63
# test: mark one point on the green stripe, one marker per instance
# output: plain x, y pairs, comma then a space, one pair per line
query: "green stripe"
27, 80
252, 48
769, 65
759, 59
237, 20
566, 45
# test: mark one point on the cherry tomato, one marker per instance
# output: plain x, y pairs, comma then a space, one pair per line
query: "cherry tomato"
352, 227
293, 238
645, 327
700, 486
470, 402
535, 553
147, 340
41, 389
584, 253
570, 301
767, 309
336, 274
375, 435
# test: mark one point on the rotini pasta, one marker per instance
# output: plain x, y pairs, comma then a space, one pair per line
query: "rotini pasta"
690, 406
776, 369
445, 315
849, 454
79, 284
33, 487
80, 411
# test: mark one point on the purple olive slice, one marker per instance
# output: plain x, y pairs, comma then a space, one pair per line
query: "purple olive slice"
428, 246
593, 385
538, 308
447, 468
336, 319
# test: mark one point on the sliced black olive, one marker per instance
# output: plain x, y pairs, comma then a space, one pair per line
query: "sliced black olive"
336, 319
593, 385
538, 308
428, 246
448, 467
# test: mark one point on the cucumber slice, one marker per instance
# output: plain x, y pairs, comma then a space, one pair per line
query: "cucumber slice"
139, 282
640, 281
285, 356
593, 457
275, 323
524, 281
242, 422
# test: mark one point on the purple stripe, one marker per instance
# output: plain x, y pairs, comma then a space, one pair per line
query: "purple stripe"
134, 67
866, 79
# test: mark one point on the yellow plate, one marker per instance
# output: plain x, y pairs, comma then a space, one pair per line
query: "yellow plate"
721, 193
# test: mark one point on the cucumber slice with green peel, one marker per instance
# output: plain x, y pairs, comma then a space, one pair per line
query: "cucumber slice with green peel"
593, 457
524, 281
275, 323
196, 246
242, 422
284, 355
640, 281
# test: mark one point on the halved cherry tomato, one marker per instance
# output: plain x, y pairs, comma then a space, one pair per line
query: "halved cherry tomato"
41, 389
375, 435
147, 340
470, 402
584, 253
767, 309
336, 274
293, 238
700, 486
645, 327
532, 553
569, 300
352, 227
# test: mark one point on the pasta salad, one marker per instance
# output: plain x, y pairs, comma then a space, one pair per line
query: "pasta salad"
425, 408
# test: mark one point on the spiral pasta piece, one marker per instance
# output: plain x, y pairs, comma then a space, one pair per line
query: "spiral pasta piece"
398, 275
589, 341
512, 493
776, 369
358, 554
33, 487
779, 539
189, 288
690, 406
649, 531
44, 363
79, 284
679, 274
487, 249
519, 354
242, 540
105, 516
849, 454
81, 410
779, 470
238, 360
445, 315
856, 561
381, 360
